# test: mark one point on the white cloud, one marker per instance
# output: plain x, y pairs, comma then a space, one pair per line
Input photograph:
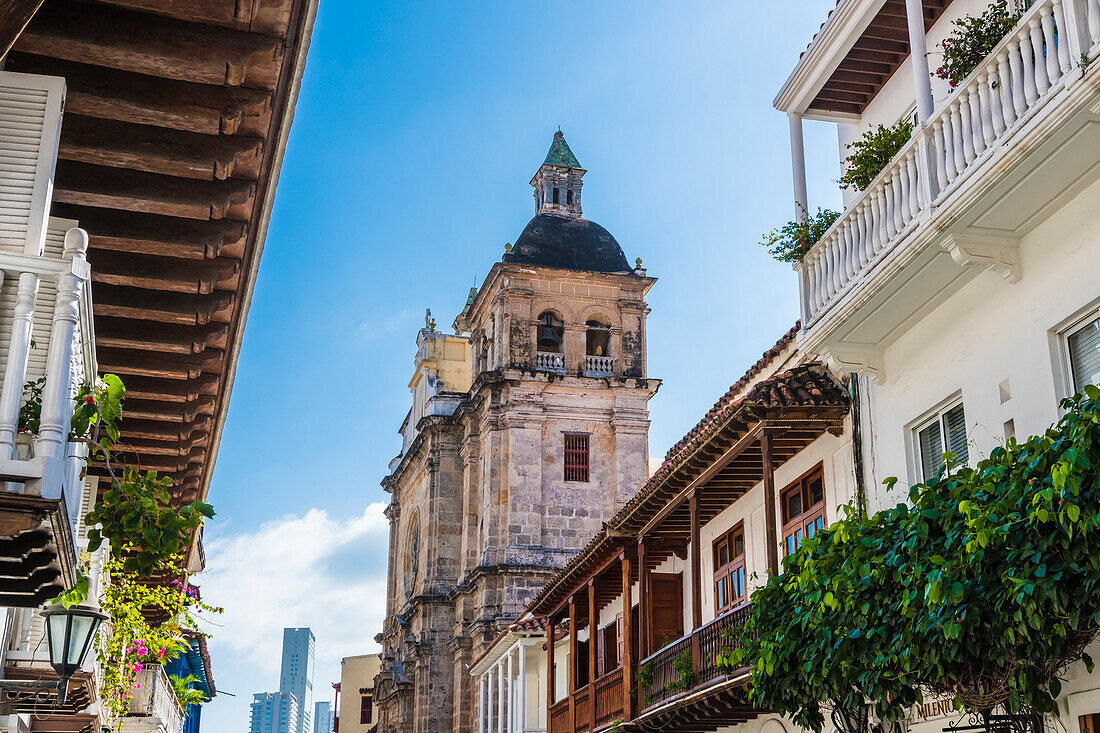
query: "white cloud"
315, 570
379, 327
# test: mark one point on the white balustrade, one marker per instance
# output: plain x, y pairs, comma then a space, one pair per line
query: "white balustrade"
154, 706
549, 362
599, 366
1023, 71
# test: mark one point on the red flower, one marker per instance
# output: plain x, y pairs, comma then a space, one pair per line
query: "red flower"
89, 399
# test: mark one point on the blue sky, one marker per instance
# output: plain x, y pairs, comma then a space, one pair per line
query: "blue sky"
417, 130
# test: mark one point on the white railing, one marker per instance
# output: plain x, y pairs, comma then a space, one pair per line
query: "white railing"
599, 366
155, 700
549, 362
1022, 72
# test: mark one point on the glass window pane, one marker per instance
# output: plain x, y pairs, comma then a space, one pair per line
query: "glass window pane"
792, 505
954, 427
739, 583
738, 545
931, 450
798, 538
720, 593
816, 491
790, 544
1084, 355
723, 555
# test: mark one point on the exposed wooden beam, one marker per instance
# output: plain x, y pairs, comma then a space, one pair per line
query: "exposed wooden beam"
141, 43
14, 16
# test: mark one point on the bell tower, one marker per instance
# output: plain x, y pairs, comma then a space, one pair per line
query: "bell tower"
558, 181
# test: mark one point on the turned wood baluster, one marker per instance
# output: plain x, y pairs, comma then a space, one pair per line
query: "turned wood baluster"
1094, 21
997, 118
939, 150
1016, 63
851, 257
15, 371
967, 118
1042, 81
914, 184
890, 201
862, 236
906, 191
1061, 41
985, 116
1004, 86
837, 266
952, 131
880, 221
1050, 43
1027, 55
979, 138
900, 195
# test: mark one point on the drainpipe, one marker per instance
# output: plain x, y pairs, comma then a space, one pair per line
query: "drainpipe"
857, 444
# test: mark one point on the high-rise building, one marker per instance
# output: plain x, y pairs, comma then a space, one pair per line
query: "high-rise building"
296, 674
274, 712
322, 717
290, 710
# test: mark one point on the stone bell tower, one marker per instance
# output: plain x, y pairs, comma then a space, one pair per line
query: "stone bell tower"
504, 482
557, 182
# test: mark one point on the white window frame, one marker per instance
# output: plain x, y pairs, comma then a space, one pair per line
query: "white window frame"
926, 418
1066, 386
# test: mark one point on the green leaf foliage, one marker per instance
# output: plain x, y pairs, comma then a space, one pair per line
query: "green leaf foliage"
791, 242
870, 154
971, 39
136, 512
985, 586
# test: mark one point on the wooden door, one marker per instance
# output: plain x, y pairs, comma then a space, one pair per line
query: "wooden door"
666, 609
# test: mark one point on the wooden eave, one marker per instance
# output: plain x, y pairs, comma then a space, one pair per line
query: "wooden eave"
176, 118
837, 78
717, 486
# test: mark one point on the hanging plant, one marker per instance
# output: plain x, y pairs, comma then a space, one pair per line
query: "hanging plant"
791, 242
871, 153
685, 670
30, 412
186, 692
132, 642
972, 38
985, 588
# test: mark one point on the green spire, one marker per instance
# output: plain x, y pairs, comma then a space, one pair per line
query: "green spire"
560, 154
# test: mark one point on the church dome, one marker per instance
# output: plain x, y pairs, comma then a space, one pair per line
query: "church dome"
568, 243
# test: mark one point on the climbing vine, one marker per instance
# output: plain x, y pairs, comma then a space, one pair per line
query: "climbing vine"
871, 152
972, 38
147, 623
985, 587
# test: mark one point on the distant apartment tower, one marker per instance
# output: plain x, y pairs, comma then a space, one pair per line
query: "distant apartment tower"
296, 675
274, 712
322, 717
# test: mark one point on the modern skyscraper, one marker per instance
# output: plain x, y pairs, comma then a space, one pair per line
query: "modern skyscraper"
274, 712
296, 674
290, 710
322, 717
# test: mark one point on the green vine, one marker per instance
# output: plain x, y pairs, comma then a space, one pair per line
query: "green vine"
134, 642
985, 587
685, 668
872, 152
791, 242
971, 40
644, 680
30, 412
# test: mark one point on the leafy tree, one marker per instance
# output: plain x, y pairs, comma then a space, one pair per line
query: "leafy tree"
985, 588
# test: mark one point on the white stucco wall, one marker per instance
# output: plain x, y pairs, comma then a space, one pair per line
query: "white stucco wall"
989, 332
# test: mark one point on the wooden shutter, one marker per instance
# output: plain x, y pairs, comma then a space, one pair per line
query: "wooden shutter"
30, 127
1084, 355
667, 609
576, 457
619, 638
954, 430
601, 652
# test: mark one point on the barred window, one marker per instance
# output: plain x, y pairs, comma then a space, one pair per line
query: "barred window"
576, 457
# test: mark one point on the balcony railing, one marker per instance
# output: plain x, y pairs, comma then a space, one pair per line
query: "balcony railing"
549, 362
154, 706
609, 697
599, 366
1023, 73
559, 716
702, 646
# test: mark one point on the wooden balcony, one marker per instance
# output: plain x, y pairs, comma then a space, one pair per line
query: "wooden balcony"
701, 647
606, 693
